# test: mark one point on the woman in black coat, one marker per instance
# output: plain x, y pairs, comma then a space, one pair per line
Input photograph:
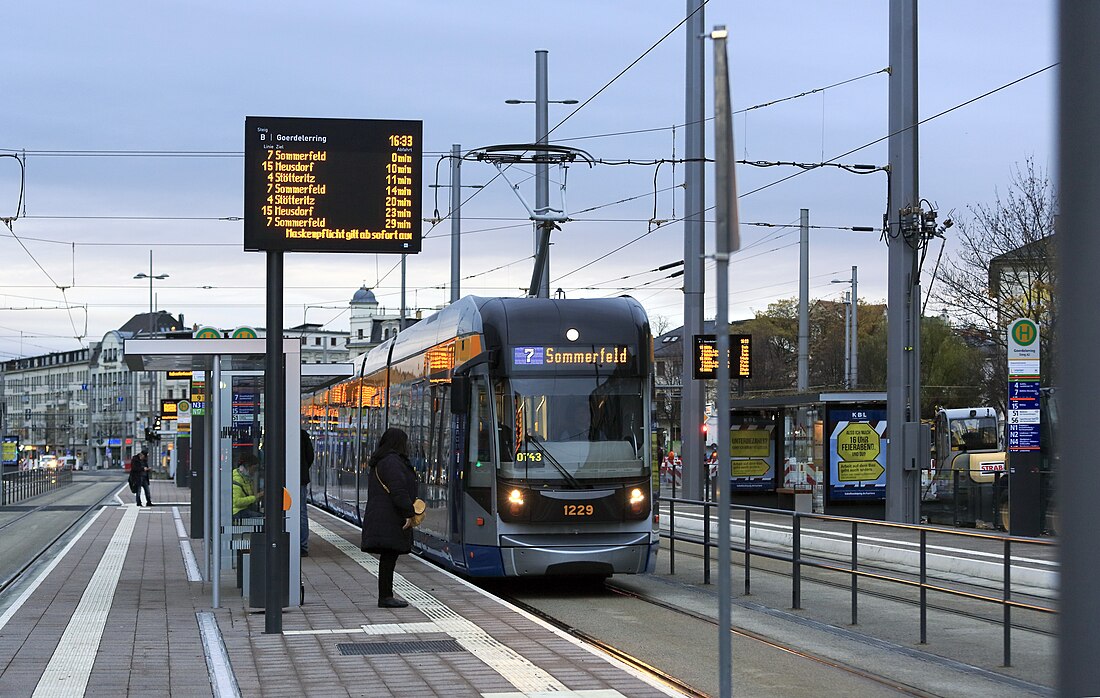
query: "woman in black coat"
387, 524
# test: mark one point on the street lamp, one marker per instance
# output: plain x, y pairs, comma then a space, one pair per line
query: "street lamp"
143, 275
152, 328
851, 335
542, 177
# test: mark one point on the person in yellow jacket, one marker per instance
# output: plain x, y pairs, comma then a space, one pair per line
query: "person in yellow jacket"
246, 497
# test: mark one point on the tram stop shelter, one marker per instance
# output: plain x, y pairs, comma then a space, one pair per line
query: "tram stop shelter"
226, 424
821, 452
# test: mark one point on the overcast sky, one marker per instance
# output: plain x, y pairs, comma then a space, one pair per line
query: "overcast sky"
135, 77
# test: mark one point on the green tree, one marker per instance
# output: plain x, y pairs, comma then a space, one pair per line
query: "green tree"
951, 370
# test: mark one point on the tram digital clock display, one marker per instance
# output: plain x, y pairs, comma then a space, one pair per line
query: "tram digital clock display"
332, 185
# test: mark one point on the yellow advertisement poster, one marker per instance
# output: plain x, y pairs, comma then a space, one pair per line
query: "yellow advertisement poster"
750, 443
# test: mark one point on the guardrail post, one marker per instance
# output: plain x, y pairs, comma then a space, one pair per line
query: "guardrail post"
1007, 605
706, 541
748, 546
923, 590
855, 568
796, 569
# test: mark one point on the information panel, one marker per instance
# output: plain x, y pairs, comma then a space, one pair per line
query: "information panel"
11, 450
332, 185
705, 353
752, 450
856, 453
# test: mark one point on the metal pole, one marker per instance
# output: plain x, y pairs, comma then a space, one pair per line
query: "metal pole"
208, 474
274, 446
1079, 287
902, 337
401, 324
847, 340
804, 302
853, 382
726, 241
691, 401
542, 174
216, 490
456, 218
151, 323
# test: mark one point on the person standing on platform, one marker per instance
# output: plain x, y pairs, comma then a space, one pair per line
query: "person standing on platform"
139, 476
388, 523
307, 461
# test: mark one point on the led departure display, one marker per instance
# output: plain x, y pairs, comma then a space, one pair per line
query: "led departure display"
705, 355
332, 185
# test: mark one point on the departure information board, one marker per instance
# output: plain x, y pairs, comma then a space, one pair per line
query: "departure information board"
705, 354
332, 185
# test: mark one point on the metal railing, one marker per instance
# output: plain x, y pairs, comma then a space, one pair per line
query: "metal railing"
25, 484
798, 561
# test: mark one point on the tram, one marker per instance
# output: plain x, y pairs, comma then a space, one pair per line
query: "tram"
528, 423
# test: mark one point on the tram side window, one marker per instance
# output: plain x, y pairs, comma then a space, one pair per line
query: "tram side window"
479, 466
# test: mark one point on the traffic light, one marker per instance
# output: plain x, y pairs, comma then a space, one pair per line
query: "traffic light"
704, 430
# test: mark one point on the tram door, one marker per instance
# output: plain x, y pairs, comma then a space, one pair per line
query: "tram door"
474, 430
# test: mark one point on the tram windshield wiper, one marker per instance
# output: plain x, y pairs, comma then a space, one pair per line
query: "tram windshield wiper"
566, 475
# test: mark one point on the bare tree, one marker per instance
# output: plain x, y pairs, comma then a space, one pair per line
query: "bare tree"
659, 324
1006, 269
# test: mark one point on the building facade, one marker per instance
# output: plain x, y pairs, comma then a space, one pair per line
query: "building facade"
45, 403
87, 403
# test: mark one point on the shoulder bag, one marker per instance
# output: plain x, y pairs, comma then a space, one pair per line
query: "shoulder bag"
419, 505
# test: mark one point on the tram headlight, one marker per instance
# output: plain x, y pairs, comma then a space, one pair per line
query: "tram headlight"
637, 500
515, 501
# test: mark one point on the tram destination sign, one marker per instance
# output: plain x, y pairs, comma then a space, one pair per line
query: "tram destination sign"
332, 185
705, 356
540, 356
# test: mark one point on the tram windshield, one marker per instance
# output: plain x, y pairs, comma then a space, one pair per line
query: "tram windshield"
571, 431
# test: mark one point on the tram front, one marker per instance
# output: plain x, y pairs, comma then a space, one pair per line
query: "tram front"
569, 400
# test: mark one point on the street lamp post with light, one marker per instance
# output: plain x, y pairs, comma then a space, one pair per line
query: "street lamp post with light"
143, 275
851, 332
152, 331
542, 177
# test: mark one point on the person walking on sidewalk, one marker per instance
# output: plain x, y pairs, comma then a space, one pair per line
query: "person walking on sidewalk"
307, 461
387, 524
139, 476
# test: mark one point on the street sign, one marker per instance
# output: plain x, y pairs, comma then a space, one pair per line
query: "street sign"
1023, 386
752, 467
208, 333
244, 333
1023, 340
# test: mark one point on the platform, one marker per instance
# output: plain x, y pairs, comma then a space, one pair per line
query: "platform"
119, 608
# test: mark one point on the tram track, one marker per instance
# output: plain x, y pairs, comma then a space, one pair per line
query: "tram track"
85, 510
782, 647
679, 684
625, 657
821, 577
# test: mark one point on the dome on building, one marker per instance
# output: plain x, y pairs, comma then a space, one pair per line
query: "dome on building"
364, 296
